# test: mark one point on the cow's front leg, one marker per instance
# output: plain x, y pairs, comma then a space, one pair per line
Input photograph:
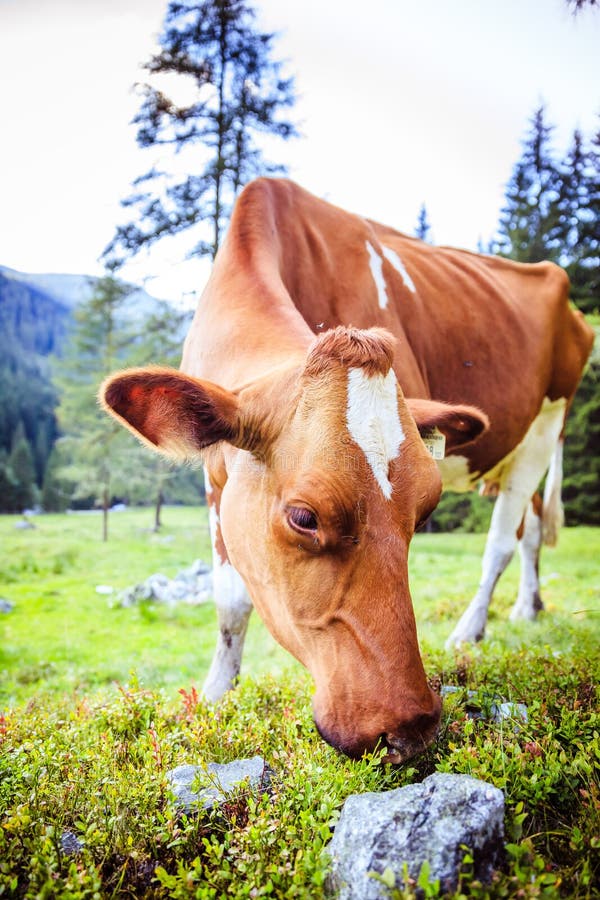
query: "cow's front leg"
233, 609
529, 602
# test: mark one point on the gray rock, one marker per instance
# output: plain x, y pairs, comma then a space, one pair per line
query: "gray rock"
192, 586
220, 779
378, 834
478, 706
6, 606
24, 523
501, 711
70, 844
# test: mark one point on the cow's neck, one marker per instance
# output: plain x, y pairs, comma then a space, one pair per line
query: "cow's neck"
246, 326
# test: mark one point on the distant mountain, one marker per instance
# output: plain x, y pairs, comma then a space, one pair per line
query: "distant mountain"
35, 316
69, 290
32, 322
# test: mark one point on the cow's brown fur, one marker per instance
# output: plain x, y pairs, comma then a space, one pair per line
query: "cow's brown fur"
478, 346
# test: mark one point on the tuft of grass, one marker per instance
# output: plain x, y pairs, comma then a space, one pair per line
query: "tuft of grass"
85, 742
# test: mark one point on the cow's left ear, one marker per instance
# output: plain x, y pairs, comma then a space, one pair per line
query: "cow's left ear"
171, 412
460, 424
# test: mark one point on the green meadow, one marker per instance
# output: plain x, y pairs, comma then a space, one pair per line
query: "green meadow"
99, 701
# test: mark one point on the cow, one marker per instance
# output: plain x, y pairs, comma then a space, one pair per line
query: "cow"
329, 361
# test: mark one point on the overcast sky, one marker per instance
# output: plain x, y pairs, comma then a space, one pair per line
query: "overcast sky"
402, 102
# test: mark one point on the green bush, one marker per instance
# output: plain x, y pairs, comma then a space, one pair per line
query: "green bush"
462, 512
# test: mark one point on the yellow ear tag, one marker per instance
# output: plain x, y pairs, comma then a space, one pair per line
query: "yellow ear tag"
435, 442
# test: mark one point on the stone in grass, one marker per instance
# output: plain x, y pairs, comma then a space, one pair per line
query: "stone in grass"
380, 837
70, 844
496, 711
220, 778
6, 606
192, 586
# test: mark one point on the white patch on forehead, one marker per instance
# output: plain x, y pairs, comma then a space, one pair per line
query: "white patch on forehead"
374, 422
376, 264
394, 260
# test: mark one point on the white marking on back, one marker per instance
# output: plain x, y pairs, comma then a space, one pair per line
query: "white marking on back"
376, 264
373, 421
394, 260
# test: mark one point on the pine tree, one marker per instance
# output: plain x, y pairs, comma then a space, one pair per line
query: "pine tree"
530, 228
423, 229
161, 343
56, 492
580, 206
9, 488
22, 470
581, 485
96, 457
41, 451
99, 457
578, 5
239, 95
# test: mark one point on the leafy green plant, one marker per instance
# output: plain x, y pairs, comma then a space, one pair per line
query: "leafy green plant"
85, 743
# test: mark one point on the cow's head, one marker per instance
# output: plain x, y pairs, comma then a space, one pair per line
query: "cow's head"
327, 480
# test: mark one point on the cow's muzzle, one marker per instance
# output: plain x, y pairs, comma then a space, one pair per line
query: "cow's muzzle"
408, 739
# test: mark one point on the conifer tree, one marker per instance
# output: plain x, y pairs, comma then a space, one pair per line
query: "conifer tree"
423, 229
239, 94
580, 207
95, 457
94, 448
530, 224
581, 485
9, 487
578, 5
22, 470
56, 492
161, 343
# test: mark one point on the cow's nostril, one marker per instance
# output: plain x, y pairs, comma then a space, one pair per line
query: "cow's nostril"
413, 737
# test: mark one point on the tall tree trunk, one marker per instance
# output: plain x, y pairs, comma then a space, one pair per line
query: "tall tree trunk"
158, 508
105, 498
221, 136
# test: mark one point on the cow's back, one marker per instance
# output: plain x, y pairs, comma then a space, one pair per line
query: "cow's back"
470, 328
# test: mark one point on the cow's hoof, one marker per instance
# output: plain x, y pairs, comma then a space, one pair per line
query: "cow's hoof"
469, 630
213, 691
522, 612
455, 641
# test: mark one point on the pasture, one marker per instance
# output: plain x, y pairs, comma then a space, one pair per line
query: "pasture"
100, 701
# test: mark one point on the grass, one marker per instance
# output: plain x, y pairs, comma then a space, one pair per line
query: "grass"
63, 636
101, 701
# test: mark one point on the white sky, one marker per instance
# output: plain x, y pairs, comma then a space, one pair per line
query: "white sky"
401, 102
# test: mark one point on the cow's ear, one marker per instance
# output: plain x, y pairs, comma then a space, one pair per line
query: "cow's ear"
459, 424
171, 412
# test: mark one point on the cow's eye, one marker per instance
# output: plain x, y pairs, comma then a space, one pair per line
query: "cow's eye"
302, 519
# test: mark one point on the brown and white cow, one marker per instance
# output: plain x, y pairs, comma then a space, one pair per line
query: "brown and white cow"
324, 350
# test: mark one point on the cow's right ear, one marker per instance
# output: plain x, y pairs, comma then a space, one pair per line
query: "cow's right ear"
171, 412
460, 424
